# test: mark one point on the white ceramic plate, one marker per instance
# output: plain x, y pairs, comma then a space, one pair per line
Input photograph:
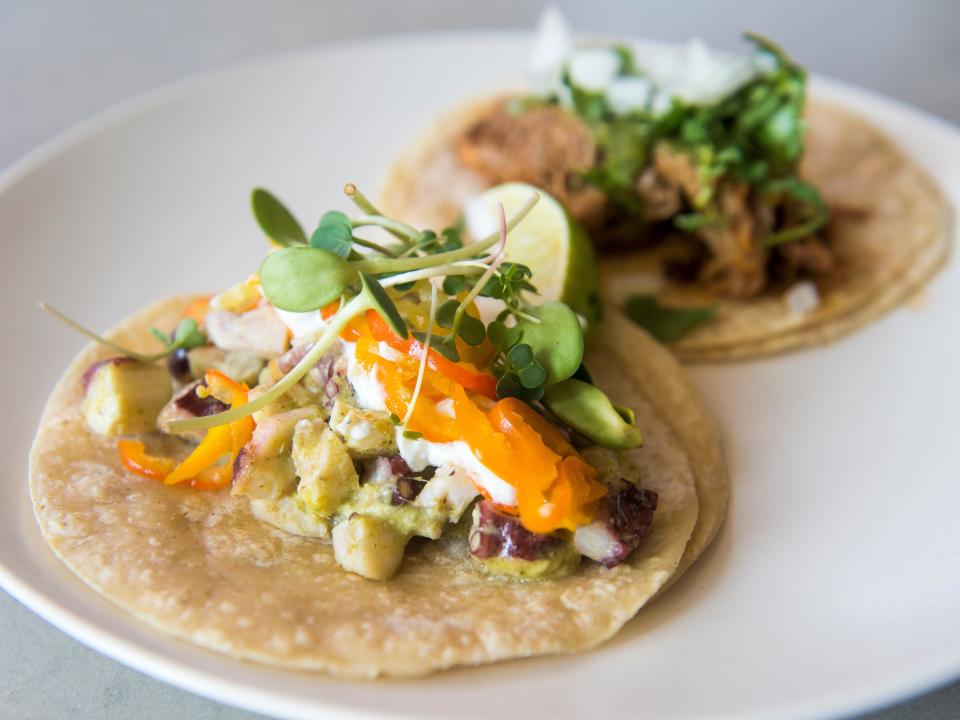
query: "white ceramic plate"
834, 586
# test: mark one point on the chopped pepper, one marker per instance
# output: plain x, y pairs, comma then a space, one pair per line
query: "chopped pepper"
200, 467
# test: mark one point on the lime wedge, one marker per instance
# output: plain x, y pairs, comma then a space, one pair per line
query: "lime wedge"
550, 242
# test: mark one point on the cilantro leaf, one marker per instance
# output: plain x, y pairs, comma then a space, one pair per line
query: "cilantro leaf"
666, 324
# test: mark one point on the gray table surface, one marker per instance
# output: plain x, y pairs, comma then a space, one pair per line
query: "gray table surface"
62, 61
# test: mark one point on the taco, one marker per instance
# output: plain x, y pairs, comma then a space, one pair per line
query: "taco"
341, 464
734, 218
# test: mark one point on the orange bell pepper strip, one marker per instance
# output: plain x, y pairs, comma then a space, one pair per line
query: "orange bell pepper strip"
198, 309
134, 458
508, 413
353, 331
544, 512
461, 373
398, 380
556, 488
489, 446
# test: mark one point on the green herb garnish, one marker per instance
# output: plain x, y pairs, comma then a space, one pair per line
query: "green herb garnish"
536, 347
275, 220
187, 335
755, 135
666, 324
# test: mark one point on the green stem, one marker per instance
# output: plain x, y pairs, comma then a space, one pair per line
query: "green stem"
418, 247
796, 232
423, 358
405, 232
101, 340
378, 266
429, 272
362, 242
525, 316
360, 200
358, 305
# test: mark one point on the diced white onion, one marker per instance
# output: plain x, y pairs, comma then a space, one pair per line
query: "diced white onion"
551, 47
628, 94
802, 298
592, 69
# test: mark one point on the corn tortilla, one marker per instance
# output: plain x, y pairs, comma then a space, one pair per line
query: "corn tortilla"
198, 566
891, 230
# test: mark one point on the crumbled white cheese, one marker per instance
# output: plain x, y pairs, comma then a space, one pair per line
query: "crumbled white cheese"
418, 453
661, 102
303, 325
802, 298
368, 390
692, 73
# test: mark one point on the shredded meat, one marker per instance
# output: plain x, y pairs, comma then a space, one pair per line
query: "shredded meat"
806, 257
543, 146
661, 198
676, 170
737, 266
551, 148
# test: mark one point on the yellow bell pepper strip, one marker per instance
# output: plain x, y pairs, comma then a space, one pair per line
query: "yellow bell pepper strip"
200, 467
556, 488
398, 380
134, 458
490, 446
215, 444
219, 440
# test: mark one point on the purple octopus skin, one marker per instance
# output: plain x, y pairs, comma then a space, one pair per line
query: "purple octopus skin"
331, 368
92, 370
409, 482
624, 517
496, 534
190, 402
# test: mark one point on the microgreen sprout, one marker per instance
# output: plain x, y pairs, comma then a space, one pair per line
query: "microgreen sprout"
307, 277
423, 356
186, 335
371, 297
530, 347
275, 220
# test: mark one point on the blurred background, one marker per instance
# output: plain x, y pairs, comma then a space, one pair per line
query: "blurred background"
61, 62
